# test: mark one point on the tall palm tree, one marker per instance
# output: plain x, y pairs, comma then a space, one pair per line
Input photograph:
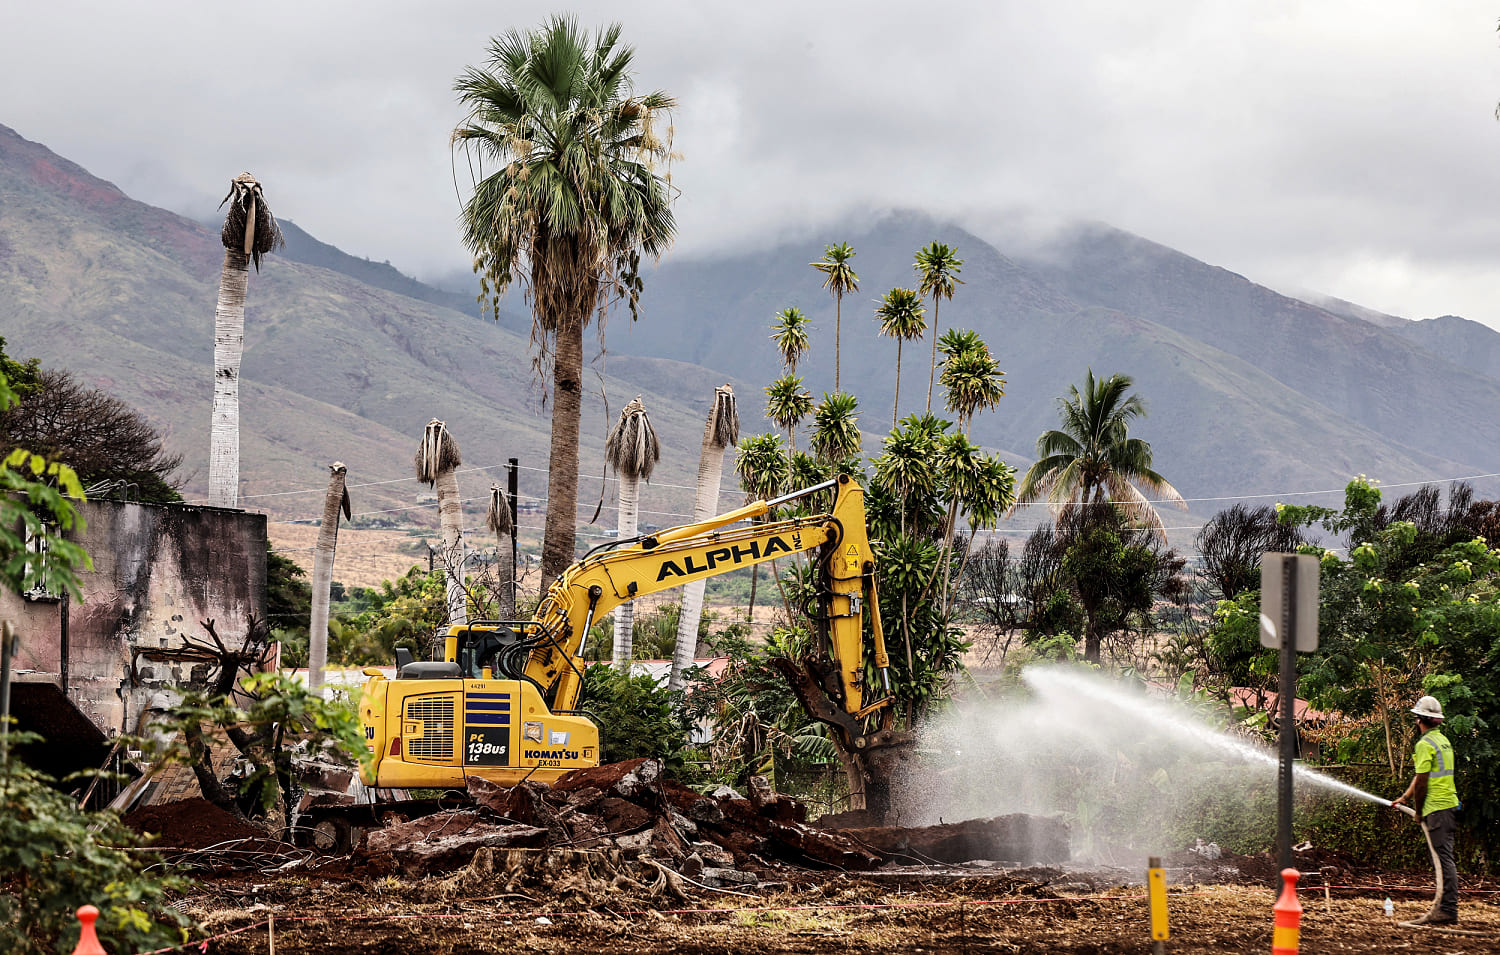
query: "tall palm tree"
574, 203
971, 376
838, 277
249, 232
787, 403
763, 470
335, 500
938, 265
498, 519
790, 333
720, 431
436, 460
632, 450
1093, 458
903, 318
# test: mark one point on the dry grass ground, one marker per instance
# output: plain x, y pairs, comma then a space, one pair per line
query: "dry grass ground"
840, 914
364, 558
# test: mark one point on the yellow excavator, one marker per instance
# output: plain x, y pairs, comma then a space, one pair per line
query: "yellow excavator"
500, 704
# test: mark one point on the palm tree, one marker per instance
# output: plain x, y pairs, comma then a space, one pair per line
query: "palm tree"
836, 434
498, 519
787, 404
763, 470
437, 457
939, 266
249, 232
574, 203
335, 500
790, 335
902, 317
720, 431
971, 376
1093, 458
839, 277
632, 450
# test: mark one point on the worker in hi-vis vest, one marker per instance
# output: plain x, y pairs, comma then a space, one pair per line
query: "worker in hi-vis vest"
1433, 793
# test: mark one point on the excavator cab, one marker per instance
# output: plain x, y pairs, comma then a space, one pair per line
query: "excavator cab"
441, 721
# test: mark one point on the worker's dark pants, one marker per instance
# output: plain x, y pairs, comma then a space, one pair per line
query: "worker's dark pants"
1441, 826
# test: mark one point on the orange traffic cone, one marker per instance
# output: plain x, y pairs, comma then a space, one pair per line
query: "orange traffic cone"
1288, 910
88, 942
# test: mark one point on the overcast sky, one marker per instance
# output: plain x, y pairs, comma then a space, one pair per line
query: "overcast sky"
1348, 148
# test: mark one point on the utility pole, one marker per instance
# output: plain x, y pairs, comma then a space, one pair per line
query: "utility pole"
513, 483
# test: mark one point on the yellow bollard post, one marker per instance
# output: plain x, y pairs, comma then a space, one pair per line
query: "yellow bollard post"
1156, 898
88, 942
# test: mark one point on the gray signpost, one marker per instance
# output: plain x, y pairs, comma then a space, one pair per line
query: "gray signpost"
1289, 623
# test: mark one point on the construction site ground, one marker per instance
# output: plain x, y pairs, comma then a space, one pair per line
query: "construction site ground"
251, 889
832, 913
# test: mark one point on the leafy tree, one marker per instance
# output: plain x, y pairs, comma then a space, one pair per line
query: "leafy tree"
289, 606
901, 318
1409, 611
836, 434
763, 471
637, 718
971, 376
839, 277
939, 266
787, 403
53, 856
249, 232
405, 612
574, 203
1093, 458
1115, 572
24, 378
1231, 543
760, 729
790, 333
110, 445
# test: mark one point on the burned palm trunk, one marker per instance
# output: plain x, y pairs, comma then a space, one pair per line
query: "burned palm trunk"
632, 450
437, 458
249, 232
336, 500
720, 431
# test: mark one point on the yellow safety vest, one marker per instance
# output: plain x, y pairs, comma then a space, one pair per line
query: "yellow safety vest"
1434, 756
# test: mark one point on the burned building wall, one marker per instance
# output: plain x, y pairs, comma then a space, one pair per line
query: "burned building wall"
159, 570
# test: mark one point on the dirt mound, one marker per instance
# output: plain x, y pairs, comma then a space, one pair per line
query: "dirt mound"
190, 824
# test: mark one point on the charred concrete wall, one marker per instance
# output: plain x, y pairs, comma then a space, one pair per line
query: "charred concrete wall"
158, 571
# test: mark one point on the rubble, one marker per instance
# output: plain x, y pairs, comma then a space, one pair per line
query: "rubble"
631, 810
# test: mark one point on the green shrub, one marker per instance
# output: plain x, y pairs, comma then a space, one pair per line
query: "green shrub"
636, 718
55, 858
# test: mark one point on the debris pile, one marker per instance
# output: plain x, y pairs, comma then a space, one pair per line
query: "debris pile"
631, 811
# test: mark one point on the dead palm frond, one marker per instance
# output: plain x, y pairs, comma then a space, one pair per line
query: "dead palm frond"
497, 518
437, 453
722, 428
632, 447
249, 227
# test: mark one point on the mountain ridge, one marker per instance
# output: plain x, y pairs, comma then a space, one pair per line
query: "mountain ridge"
348, 358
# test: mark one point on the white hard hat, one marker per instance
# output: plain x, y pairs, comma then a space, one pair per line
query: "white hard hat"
1428, 708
